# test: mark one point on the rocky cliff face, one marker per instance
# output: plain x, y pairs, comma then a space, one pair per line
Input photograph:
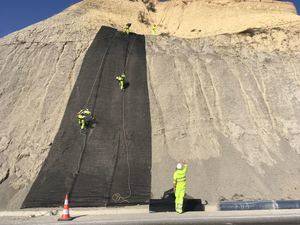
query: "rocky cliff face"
227, 103
229, 106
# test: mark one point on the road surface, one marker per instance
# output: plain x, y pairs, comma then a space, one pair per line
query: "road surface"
271, 217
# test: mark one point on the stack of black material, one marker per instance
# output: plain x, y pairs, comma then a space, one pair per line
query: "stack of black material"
167, 203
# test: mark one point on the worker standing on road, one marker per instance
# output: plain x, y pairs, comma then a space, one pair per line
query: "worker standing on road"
126, 29
179, 182
84, 117
122, 81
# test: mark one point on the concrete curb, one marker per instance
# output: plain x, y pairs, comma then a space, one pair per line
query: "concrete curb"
25, 213
259, 205
86, 211
75, 212
40, 212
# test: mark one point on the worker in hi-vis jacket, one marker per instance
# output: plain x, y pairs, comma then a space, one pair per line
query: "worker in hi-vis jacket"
122, 81
179, 185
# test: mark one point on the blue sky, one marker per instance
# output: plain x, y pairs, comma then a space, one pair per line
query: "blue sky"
17, 14
296, 3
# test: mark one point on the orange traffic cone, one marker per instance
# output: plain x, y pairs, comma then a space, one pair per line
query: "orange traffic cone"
66, 214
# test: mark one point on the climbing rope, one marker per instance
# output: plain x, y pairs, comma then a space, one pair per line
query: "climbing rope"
87, 133
99, 73
117, 197
128, 50
163, 18
75, 175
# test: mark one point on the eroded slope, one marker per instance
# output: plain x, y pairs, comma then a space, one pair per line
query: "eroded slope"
251, 116
229, 106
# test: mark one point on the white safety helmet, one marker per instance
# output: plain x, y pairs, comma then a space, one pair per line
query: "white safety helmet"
179, 166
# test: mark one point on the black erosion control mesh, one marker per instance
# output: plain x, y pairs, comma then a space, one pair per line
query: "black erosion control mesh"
110, 164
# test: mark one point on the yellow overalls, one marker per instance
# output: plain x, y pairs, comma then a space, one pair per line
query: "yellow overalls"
179, 179
121, 80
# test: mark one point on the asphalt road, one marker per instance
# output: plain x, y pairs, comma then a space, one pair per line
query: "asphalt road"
199, 218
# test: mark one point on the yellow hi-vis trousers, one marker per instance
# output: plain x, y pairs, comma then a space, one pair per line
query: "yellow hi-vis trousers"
82, 123
179, 195
121, 84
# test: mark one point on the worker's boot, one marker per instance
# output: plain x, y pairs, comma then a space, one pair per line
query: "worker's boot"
179, 208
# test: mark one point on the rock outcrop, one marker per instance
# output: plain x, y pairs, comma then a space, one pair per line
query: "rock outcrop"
227, 101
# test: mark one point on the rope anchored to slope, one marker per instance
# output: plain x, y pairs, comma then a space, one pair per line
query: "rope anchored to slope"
87, 133
117, 197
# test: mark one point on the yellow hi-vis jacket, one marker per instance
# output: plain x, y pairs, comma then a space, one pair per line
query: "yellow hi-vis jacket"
121, 77
154, 29
83, 113
179, 178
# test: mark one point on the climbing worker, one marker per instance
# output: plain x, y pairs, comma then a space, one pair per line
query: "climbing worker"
84, 117
154, 29
179, 184
122, 81
126, 29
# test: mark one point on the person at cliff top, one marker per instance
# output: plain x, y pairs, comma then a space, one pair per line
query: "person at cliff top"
122, 80
154, 29
84, 117
179, 185
126, 29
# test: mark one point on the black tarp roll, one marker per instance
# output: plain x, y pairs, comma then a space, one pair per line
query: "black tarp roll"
259, 205
288, 204
246, 205
167, 203
110, 163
